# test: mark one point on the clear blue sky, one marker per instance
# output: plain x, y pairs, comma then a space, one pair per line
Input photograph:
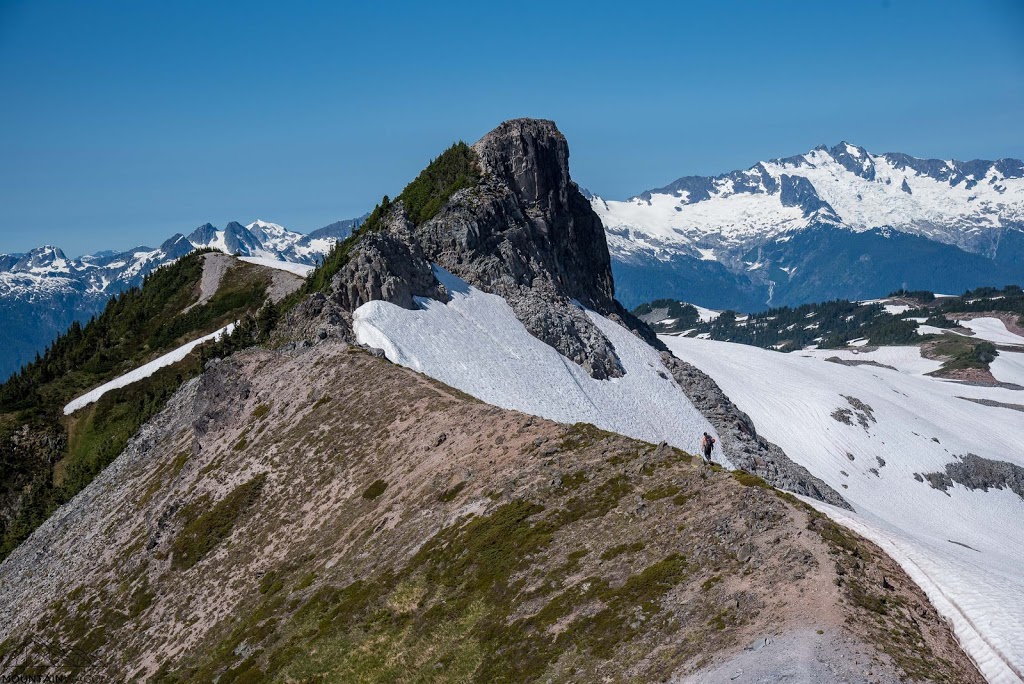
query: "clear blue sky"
125, 122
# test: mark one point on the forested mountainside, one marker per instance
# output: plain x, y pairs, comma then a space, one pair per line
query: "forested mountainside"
48, 457
43, 292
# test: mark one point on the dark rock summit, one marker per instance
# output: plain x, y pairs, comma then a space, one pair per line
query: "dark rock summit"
532, 159
523, 231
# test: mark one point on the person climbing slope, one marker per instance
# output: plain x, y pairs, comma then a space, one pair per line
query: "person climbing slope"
707, 445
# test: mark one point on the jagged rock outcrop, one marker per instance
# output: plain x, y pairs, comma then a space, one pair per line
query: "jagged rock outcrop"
524, 232
388, 265
974, 472
565, 241
739, 439
317, 317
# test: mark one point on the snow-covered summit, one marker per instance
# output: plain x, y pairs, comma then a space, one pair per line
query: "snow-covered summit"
832, 222
946, 200
45, 260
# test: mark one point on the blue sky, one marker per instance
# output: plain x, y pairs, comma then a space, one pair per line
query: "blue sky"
125, 122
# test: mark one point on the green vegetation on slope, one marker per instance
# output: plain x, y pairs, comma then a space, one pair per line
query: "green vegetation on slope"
455, 603
454, 170
963, 352
45, 457
834, 324
207, 526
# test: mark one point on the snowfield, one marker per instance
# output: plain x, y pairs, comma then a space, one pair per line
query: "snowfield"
993, 330
142, 371
905, 359
964, 547
302, 270
476, 344
706, 315
1009, 367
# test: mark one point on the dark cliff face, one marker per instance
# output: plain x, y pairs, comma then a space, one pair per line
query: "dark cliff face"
526, 225
524, 232
531, 158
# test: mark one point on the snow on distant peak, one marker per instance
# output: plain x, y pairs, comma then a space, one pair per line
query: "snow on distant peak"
265, 225
845, 186
44, 260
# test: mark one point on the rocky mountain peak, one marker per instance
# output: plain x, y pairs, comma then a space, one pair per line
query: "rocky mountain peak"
46, 258
203, 234
565, 241
531, 156
522, 230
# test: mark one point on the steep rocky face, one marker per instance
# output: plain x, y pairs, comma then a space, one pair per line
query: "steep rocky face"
566, 244
524, 232
387, 265
323, 515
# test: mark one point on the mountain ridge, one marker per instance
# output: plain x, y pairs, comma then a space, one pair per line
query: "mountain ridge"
850, 200
43, 291
299, 481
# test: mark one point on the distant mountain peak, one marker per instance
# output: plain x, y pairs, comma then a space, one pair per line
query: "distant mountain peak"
44, 260
973, 209
43, 290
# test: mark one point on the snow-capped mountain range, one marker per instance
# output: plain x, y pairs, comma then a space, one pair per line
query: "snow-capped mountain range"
857, 223
44, 291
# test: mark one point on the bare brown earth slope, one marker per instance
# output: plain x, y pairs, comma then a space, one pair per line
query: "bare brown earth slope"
321, 515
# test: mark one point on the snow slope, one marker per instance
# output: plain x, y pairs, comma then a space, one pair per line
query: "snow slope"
706, 315
993, 330
965, 547
905, 359
476, 344
142, 371
1009, 367
289, 266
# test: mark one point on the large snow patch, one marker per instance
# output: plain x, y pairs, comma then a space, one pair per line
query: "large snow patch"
993, 330
143, 371
965, 548
302, 270
476, 344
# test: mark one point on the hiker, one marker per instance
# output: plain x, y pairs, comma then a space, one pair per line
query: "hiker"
707, 444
